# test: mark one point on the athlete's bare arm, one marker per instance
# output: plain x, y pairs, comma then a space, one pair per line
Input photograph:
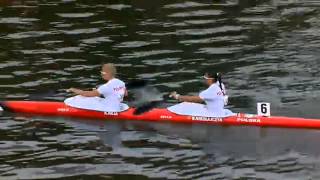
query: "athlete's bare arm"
92, 93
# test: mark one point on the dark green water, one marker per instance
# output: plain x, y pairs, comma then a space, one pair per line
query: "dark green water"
267, 50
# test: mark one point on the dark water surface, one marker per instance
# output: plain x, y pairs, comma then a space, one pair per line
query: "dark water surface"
268, 50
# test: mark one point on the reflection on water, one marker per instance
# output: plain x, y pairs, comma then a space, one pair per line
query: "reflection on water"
56, 148
267, 51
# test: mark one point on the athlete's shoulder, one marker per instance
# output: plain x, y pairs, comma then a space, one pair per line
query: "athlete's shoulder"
213, 87
117, 82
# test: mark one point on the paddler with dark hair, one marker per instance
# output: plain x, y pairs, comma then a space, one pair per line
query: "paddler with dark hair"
214, 97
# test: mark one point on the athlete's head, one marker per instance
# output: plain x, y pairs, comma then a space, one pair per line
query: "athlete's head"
108, 71
211, 78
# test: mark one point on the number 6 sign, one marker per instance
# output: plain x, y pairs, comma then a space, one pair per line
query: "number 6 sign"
263, 109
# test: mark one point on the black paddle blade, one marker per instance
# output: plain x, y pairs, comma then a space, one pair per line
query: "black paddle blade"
136, 84
146, 107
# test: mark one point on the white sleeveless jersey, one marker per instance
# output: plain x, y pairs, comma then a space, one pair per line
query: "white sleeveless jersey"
214, 99
113, 92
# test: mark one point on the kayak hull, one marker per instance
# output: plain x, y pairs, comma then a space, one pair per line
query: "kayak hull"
155, 115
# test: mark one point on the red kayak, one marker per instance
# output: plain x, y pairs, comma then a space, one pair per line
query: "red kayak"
156, 115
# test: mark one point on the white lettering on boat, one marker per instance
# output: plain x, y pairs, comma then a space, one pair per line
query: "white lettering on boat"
249, 120
63, 109
165, 117
110, 113
249, 115
200, 118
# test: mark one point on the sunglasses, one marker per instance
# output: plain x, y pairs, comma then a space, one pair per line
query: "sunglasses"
205, 77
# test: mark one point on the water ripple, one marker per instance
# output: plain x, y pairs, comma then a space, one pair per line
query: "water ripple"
198, 13
136, 44
148, 53
16, 20
119, 6
210, 31
29, 34
298, 11
57, 51
96, 40
75, 15
81, 31
220, 51
186, 4
233, 39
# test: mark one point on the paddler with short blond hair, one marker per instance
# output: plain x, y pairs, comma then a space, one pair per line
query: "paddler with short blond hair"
113, 91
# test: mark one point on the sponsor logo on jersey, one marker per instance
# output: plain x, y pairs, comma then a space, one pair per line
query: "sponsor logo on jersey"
220, 93
119, 88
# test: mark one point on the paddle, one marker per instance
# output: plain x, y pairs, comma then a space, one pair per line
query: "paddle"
147, 106
138, 83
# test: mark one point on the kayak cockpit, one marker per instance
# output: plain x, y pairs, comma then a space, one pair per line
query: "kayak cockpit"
196, 109
94, 103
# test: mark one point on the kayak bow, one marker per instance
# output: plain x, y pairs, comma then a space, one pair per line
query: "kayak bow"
155, 115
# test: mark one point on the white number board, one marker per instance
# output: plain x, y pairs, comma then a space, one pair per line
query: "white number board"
263, 109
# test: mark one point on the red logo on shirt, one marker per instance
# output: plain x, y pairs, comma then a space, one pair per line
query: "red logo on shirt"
119, 88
